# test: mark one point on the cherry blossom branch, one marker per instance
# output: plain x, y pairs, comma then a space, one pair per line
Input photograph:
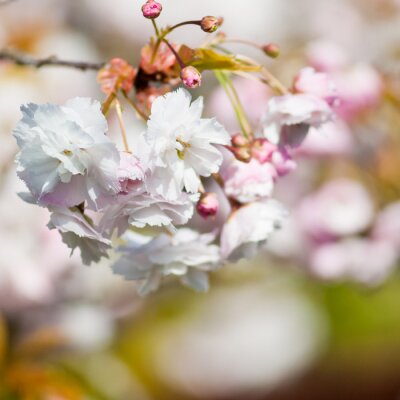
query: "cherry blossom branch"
18, 58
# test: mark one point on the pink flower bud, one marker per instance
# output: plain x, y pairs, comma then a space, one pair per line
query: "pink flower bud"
241, 153
238, 140
211, 24
271, 50
208, 205
191, 77
262, 150
151, 9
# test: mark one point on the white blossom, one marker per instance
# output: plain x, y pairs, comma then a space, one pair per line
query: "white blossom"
187, 254
138, 208
76, 231
288, 118
249, 227
65, 156
178, 146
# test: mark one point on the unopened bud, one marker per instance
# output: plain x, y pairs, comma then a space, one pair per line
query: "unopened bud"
272, 50
151, 9
211, 24
208, 205
242, 153
262, 150
191, 77
238, 140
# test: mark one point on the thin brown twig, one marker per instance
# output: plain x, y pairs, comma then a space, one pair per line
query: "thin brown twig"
18, 58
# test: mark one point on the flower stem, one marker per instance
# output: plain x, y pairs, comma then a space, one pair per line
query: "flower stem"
138, 111
118, 109
105, 108
181, 63
227, 85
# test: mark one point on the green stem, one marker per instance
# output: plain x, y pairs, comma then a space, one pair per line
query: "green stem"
155, 27
135, 106
161, 37
227, 85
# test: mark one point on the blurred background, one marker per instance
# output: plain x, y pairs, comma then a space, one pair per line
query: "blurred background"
316, 316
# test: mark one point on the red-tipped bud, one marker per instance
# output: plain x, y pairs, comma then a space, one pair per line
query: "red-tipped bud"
151, 9
241, 153
238, 140
208, 205
191, 77
262, 150
211, 24
272, 50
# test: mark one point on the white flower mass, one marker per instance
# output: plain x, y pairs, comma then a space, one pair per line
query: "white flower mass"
179, 145
65, 156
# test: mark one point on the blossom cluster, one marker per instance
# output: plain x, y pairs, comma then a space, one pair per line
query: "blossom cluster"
190, 196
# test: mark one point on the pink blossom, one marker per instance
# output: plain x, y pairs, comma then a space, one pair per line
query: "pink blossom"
363, 260
318, 84
341, 207
327, 56
332, 139
247, 182
163, 61
387, 225
359, 88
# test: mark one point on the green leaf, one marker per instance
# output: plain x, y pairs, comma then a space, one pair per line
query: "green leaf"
209, 59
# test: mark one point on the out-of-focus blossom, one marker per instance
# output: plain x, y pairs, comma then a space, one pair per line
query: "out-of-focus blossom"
259, 338
116, 74
33, 260
319, 84
363, 260
67, 144
247, 182
332, 139
163, 61
179, 146
325, 55
288, 118
187, 254
86, 327
387, 225
76, 231
283, 162
253, 95
249, 227
359, 87
340, 207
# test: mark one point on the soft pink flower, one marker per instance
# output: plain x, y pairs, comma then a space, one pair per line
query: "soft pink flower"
387, 225
341, 207
363, 260
163, 61
247, 182
318, 84
332, 139
359, 88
